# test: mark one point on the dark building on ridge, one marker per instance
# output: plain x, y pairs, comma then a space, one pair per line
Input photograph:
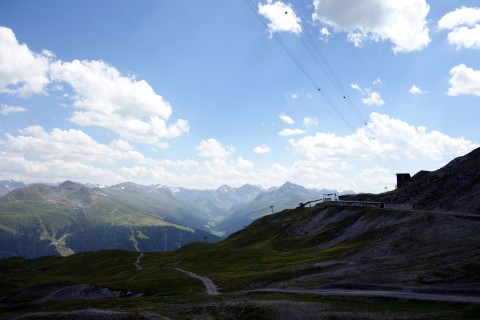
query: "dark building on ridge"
402, 178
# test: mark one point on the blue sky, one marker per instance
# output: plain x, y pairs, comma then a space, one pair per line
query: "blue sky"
199, 94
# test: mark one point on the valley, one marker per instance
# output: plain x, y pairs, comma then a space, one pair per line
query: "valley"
72, 217
328, 261
384, 264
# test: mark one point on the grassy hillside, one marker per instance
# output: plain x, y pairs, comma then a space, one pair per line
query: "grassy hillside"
43, 220
323, 247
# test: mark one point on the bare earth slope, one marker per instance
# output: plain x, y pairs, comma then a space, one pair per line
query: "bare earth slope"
455, 187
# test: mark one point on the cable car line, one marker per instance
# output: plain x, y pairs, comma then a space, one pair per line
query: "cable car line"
328, 71
332, 76
299, 64
284, 45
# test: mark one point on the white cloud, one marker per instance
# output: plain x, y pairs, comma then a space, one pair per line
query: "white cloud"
262, 149
286, 119
376, 177
465, 37
293, 96
124, 105
402, 22
290, 132
373, 99
36, 155
244, 164
393, 138
281, 17
464, 24
309, 122
416, 90
464, 80
356, 87
29, 171
211, 148
323, 159
22, 72
463, 16
325, 34
69, 145
377, 81
6, 109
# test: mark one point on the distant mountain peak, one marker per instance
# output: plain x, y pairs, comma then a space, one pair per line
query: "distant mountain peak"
289, 186
225, 188
70, 185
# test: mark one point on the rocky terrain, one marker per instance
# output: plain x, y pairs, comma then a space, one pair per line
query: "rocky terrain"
455, 187
329, 261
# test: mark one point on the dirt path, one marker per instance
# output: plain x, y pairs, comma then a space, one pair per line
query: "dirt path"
377, 293
137, 262
90, 313
211, 288
135, 245
447, 213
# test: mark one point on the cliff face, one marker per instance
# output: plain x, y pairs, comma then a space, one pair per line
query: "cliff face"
455, 187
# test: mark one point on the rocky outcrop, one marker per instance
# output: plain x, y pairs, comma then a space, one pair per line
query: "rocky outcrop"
455, 187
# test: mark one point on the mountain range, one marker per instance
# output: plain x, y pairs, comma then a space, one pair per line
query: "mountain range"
418, 260
71, 217
39, 220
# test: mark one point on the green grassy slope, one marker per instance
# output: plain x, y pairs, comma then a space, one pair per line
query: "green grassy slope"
43, 220
158, 205
321, 247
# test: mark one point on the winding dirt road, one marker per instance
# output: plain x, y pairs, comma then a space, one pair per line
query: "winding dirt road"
210, 287
377, 293
137, 262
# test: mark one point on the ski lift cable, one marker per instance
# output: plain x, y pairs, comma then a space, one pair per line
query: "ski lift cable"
328, 70
284, 45
299, 64
332, 76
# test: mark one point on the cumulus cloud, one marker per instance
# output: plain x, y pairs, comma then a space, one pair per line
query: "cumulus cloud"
356, 87
6, 109
464, 80
290, 132
211, 148
464, 26
325, 34
377, 176
401, 22
393, 138
281, 17
323, 159
262, 149
286, 119
29, 171
22, 71
127, 106
416, 90
372, 98
309, 122
69, 145
102, 96
465, 37
37, 155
